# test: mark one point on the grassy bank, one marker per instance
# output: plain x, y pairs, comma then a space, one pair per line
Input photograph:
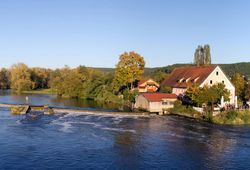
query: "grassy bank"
235, 117
186, 111
40, 91
232, 117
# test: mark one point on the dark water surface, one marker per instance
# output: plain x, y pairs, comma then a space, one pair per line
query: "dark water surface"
86, 141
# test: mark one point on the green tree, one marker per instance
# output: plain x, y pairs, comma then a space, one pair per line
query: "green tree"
129, 69
207, 55
239, 84
4, 79
193, 93
67, 82
197, 57
166, 89
20, 77
207, 95
202, 55
247, 93
40, 77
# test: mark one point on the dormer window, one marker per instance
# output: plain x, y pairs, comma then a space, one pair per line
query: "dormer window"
195, 80
181, 80
188, 79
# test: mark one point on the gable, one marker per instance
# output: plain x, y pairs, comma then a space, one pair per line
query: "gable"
144, 83
218, 76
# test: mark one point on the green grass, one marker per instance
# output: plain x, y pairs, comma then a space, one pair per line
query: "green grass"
40, 91
182, 110
233, 117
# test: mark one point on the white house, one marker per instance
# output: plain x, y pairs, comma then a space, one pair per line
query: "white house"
182, 78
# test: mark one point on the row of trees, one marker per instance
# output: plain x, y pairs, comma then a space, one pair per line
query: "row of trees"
207, 95
20, 78
80, 82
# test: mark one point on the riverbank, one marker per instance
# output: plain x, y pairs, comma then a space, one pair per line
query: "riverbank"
40, 91
234, 117
116, 101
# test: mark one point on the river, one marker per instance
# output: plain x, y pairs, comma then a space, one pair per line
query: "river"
88, 141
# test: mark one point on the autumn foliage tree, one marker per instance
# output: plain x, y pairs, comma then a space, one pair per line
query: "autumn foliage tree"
239, 84
4, 79
20, 77
129, 69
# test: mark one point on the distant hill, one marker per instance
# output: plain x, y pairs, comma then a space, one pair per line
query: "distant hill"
229, 69
242, 68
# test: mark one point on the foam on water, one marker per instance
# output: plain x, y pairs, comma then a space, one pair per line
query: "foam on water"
69, 121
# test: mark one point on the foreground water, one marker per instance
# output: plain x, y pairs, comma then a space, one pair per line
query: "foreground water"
87, 141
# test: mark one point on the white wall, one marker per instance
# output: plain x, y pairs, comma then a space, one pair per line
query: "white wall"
219, 79
179, 91
158, 106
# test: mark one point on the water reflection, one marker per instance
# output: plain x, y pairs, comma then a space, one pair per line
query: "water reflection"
87, 141
8, 97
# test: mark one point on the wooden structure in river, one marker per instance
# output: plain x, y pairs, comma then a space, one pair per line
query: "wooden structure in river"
24, 109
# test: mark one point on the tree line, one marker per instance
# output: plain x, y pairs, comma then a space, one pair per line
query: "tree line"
79, 82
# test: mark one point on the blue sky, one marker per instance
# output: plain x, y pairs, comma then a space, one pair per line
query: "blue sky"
54, 33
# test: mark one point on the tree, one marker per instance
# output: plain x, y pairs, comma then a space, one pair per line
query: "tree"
129, 69
239, 84
193, 93
40, 77
207, 55
20, 77
247, 93
197, 57
202, 55
67, 82
4, 79
207, 95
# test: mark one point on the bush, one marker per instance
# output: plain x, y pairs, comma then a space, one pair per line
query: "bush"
233, 117
184, 110
209, 116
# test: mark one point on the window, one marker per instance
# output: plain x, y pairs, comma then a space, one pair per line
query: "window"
223, 81
164, 103
211, 81
217, 73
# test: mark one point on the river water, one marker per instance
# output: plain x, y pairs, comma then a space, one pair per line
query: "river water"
88, 141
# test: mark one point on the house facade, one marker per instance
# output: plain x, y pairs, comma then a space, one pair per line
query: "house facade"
148, 85
182, 78
155, 102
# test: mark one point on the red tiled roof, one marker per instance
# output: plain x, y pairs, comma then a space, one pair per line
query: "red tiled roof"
186, 76
142, 81
148, 83
157, 97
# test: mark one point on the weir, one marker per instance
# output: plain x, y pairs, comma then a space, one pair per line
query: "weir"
24, 108
48, 110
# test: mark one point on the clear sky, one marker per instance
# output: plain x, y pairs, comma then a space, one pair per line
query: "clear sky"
54, 33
